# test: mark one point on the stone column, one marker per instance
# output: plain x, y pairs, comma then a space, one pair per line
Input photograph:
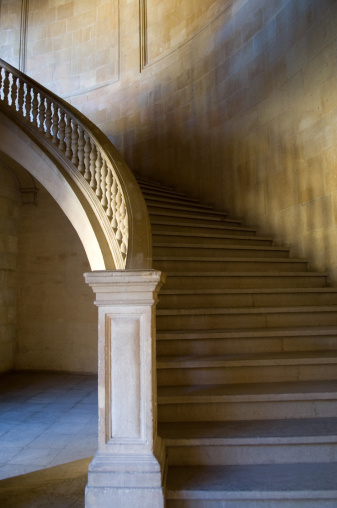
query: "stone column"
127, 470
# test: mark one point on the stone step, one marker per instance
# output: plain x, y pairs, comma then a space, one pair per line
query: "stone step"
165, 217
153, 198
198, 227
244, 280
232, 251
260, 340
149, 192
219, 298
157, 186
186, 264
252, 442
247, 367
257, 401
155, 207
256, 317
310, 485
236, 237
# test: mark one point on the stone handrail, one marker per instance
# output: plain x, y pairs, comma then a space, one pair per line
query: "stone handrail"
112, 189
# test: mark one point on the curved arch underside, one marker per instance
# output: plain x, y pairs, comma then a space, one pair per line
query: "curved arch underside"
20, 148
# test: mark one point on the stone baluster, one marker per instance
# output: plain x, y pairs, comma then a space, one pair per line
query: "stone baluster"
55, 123
35, 106
113, 203
108, 191
67, 136
122, 226
103, 183
74, 143
62, 131
98, 167
93, 156
48, 118
81, 143
14, 92
6, 86
21, 98
28, 103
42, 110
119, 235
87, 151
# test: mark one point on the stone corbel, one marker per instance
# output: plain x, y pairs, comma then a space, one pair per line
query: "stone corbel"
128, 468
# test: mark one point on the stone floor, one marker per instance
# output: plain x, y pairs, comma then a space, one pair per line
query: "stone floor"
46, 419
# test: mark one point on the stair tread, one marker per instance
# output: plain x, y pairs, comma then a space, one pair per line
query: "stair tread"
246, 310
211, 235
220, 246
232, 260
245, 360
247, 332
246, 291
243, 392
253, 481
187, 207
220, 225
180, 432
151, 198
245, 274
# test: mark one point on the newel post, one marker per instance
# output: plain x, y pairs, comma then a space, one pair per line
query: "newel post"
127, 470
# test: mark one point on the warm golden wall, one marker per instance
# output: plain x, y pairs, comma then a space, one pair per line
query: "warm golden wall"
242, 115
236, 103
9, 212
57, 319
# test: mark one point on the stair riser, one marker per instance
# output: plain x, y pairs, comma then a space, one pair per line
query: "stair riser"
196, 251
269, 320
244, 281
224, 229
245, 300
226, 502
246, 374
234, 239
222, 455
229, 266
242, 410
249, 345
184, 218
155, 207
153, 199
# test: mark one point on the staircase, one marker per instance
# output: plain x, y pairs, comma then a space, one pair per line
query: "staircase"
246, 363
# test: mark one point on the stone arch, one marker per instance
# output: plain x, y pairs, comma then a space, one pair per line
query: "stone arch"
18, 147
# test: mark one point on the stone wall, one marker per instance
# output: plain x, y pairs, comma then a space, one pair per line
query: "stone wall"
234, 102
9, 210
57, 319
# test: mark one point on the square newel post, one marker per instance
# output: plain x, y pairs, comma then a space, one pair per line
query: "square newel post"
127, 470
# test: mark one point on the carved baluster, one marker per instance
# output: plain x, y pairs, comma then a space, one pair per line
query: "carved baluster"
42, 110
74, 143
122, 225
93, 156
14, 92
98, 174
81, 143
67, 136
126, 230
5, 86
35, 105
103, 183
119, 235
87, 150
113, 203
21, 98
48, 118
55, 123
28, 103
62, 131
108, 192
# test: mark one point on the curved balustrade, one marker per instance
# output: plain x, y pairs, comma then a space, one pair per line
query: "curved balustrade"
94, 157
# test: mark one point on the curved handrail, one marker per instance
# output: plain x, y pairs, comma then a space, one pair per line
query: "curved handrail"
104, 177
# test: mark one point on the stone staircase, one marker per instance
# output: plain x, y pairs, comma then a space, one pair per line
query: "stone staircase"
246, 364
